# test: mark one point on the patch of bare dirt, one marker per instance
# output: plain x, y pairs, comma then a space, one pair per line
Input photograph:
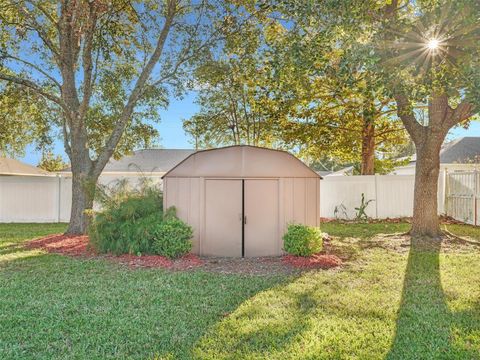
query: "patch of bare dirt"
248, 266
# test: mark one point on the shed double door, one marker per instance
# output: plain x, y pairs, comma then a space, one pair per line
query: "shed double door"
241, 218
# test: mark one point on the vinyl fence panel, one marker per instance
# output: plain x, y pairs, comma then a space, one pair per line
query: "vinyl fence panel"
344, 194
462, 196
48, 198
64, 198
32, 199
392, 195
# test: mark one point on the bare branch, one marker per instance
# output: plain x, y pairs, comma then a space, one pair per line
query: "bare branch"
31, 85
87, 60
44, 12
33, 66
117, 132
66, 143
34, 25
462, 112
405, 113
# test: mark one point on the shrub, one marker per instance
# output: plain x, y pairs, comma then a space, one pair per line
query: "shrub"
302, 240
128, 220
172, 238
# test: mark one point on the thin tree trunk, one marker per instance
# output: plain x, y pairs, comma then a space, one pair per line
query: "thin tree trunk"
425, 209
368, 148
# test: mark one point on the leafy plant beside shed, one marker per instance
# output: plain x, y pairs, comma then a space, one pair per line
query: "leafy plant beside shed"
134, 222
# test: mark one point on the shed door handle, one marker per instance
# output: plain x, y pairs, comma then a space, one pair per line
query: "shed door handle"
245, 219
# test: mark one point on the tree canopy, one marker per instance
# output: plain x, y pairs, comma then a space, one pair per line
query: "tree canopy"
105, 68
305, 84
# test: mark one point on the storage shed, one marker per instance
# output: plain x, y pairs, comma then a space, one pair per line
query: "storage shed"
240, 199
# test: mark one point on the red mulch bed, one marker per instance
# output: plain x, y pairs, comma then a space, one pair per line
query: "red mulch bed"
317, 261
63, 244
79, 246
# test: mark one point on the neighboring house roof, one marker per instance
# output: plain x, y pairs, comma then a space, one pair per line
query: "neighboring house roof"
323, 173
461, 150
15, 167
147, 161
343, 172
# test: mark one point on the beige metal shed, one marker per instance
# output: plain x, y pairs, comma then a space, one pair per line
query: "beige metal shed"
240, 199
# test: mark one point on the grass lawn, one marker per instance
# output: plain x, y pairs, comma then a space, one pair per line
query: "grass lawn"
389, 301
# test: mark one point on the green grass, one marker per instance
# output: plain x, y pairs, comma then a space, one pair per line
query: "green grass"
363, 230
55, 307
388, 302
13, 233
366, 230
464, 230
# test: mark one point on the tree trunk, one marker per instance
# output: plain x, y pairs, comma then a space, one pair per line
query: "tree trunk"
427, 168
83, 193
368, 148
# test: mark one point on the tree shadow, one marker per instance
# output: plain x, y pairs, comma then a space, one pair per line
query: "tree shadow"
425, 324
253, 335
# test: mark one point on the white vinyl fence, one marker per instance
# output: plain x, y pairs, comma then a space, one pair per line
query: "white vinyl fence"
392, 195
462, 195
35, 198
48, 198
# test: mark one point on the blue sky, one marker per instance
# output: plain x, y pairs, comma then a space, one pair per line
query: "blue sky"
173, 136
170, 128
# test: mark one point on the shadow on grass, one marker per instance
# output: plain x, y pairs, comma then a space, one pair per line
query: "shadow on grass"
11, 248
261, 329
425, 325
10, 252
94, 309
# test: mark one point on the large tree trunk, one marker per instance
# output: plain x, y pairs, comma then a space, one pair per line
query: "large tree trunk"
84, 182
427, 168
428, 141
83, 192
368, 148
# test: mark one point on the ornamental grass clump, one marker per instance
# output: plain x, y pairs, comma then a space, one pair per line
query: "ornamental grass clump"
128, 220
302, 240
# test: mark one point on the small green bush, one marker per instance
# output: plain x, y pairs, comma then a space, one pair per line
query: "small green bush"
128, 220
302, 240
172, 238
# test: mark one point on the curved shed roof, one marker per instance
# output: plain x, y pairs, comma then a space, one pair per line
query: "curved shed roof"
242, 161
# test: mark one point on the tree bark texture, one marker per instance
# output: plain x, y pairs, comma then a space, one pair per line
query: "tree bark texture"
368, 149
428, 141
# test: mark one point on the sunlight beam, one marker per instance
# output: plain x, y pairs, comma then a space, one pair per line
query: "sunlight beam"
433, 44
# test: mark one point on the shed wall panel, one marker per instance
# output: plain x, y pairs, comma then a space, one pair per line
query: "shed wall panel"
223, 218
261, 212
185, 194
194, 212
299, 201
311, 201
